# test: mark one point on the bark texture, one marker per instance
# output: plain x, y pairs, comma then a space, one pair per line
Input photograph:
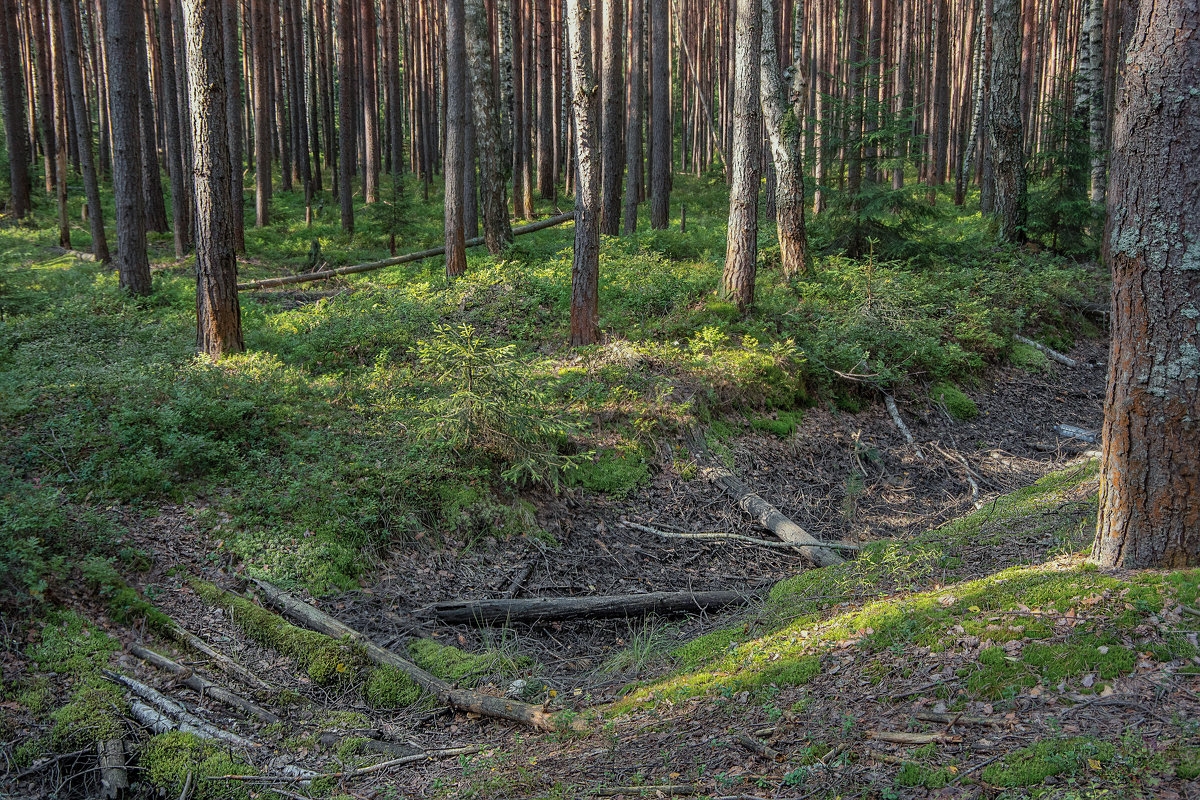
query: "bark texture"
15, 130
83, 132
741, 249
660, 116
497, 231
456, 161
346, 127
585, 268
612, 120
1150, 472
262, 112
633, 128
1005, 137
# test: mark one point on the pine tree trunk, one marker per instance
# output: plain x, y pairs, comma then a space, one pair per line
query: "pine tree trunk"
1150, 471
14, 111
633, 130
61, 104
456, 160
83, 130
547, 187
122, 29
218, 315
741, 249
585, 268
346, 103
612, 122
262, 113
180, 202
233, 118
497, 231
45, 89
660, 116
1094, 31
785, 152
153, 205
1004, 121
370, 100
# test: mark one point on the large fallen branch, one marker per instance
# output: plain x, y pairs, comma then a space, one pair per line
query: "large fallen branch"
1050, 352
200, 684
890, 403
492, 612
462, 699
767, 515
226, 664
721, 536
167, 715
1074, 432
354, 269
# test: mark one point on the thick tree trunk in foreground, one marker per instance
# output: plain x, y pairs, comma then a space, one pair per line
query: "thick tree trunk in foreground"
612, 121
83, 131
218, 314
785, 150
660, 117
1150, 473
585, 269
497, 230
1004, 121
14, 110
741, 250
123, 26
456, 160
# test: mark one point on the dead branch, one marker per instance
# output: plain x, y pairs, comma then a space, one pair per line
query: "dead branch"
114, 778
174, 716
222, 661
200, 684
424, 755
905, 737
1050, 352
462, 699
885, 758
890, 403
649, 790
767, 515
492, 612
756, 746
550, 222
956, 719
1083, 434
718, 536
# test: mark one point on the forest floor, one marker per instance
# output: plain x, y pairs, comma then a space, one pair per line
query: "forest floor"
967, 650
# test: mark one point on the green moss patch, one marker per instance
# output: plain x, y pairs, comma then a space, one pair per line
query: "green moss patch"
1031, 765
957, 404
71, 644
95, 713
783, 424
458, 666
913, 775
611, 472
1028, 358
388, 687
168, 758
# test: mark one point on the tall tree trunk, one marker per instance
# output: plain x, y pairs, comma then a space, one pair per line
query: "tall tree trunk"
14, 111
741, 249
612, 156
218, 315
83, 130
262, 112
785, 151
153, 205
1093, 30
233, 118
497, 232
123, 26
346, 100
547, 187
181, 204
633, 129
660, 116
62, 103
45, 88
456, 123
370, 101
1150, 471
1004, 121
585, 268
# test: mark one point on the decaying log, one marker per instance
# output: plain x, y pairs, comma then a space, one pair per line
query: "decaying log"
171, 715
549, 222
717, 536
462, 699
755, 746
331, 741
767, 515
114, 778
492, 612
1050, 352
205, 687
1083, 434
890, 403
223, 662
885, 758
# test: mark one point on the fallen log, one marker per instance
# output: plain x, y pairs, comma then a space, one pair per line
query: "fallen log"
761, 748
491, 612
717, 536
462, 699
1050, 352
767, 515
354, 269
890, 403
114, 778
1083, 434
223, 662
170, 715
199, 684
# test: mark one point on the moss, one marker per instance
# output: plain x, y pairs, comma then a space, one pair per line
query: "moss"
29, 751
325, 659
71, 644
1188, 767
34, 694
1031, 765
957, 404
345, 720
611, 472
913, 775
452, 664
388, 687
96, 713
168, 758
783, 425
1028, 358
351, 746
705, 649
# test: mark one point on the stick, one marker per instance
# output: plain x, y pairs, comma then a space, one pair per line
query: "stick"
885, 758
202, 685
114, 779
353, 773
755, 746
491, 612
767, 515
648, 790
717, 536
1049, 351
550, 222
174, 715
903, 737
890, 403
1072, 432
956, 719
462, 699
222, 661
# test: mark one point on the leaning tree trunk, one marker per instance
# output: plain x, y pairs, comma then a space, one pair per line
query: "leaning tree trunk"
14, 110
218, 315
660, 116
585, 269
1150, 472
1004, 121
83, 131
633, 128
785, 150
611, 122
497, 230
123, 26
741, 249
455, 160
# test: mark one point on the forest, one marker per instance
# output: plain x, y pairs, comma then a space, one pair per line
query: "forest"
715, 399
